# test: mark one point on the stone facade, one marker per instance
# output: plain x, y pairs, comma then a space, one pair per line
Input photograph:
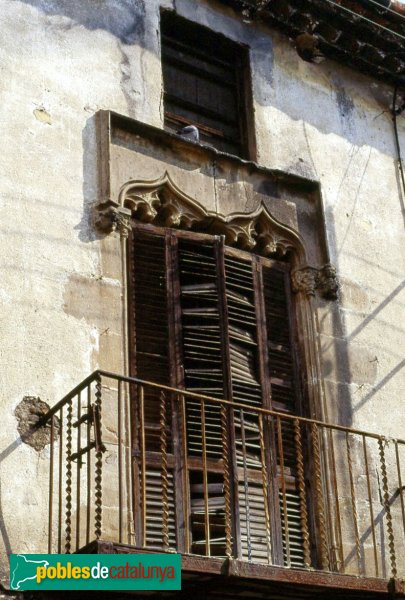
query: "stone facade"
62, 292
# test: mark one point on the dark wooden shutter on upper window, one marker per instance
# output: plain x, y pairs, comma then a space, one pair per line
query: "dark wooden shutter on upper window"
204, 78
232, 339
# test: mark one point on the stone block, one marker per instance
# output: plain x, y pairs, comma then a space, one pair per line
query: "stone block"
354, 296
111, 352
111, 256
96, 300
329, 319
347, 362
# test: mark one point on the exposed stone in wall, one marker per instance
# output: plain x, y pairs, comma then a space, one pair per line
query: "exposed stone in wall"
28, 413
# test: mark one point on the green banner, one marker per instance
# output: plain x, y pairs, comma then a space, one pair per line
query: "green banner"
95, 572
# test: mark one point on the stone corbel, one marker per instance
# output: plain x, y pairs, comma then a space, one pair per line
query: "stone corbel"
328, 284
309, 279
304, 280
111, 217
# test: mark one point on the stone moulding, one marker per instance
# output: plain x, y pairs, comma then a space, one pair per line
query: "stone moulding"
162, 203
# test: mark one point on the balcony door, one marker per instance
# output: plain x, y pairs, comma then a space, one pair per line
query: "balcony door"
215, 480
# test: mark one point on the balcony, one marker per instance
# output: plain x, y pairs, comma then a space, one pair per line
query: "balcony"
243, 493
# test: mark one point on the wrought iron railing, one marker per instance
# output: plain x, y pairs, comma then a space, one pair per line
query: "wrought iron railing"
141, 464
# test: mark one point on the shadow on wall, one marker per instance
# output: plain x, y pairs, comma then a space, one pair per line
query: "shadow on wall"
339, 393
132, 23
338, 397
86, 230
125, 19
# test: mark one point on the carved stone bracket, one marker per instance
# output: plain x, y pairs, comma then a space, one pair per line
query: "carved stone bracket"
328, 284
304, 280
109, 217
308, 279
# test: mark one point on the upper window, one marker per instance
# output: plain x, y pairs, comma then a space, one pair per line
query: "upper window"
206, 84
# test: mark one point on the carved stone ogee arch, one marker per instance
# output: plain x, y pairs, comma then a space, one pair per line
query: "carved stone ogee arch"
161, 202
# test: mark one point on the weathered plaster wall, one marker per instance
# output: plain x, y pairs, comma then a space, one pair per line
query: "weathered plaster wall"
60, 289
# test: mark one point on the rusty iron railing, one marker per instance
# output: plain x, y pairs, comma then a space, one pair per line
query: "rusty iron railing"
138, 463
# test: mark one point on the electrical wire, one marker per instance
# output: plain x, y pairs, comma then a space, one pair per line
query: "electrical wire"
355, 14
387, 9
370, 21
397, 143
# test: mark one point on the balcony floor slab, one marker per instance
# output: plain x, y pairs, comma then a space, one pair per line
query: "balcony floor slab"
206, 578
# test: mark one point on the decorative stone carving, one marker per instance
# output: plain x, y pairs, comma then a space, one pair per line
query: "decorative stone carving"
328, 284
162, 203
308, 279
304, 280
109, 217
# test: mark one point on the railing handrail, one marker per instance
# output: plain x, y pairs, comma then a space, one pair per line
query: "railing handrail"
282, 465
98, 373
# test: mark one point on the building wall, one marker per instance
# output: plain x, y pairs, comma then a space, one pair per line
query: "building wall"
60, 62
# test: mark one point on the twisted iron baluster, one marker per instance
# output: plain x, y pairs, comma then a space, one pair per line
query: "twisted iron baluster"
68, 520
185, 475
246, 486
143, 462
164, 477
400, 486
98, 469
391, 540
302, 495
265, 483
227, 482
353, 500
205, 481
339, 559
370, 503
319, 497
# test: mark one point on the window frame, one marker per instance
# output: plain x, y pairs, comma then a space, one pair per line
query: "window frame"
243, 85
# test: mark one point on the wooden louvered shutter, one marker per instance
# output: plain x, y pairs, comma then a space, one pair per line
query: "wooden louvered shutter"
150, 335
150, 361
178, 332
203, 362
246, 388
285, 398
217, 321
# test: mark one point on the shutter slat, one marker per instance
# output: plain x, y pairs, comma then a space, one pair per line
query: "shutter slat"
154, 512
